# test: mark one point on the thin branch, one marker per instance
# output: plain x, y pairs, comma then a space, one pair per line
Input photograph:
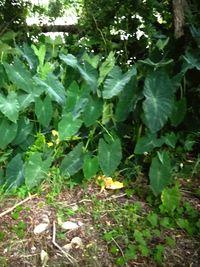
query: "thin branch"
69, 257
16, 205
119, 249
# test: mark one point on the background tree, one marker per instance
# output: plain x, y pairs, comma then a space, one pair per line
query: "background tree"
13, 15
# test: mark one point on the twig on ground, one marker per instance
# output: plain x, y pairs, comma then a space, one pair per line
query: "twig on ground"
69, 257
119, 249
115, 196
89, 200
16, 205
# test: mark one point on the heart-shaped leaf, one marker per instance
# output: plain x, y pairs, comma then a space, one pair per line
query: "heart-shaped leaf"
8, 132
116, 82
73, 161
44, 110
36, 169
68, 126
109, 154
90, 166
15, 173
93, 111
160, 173
9, 106
19, 75
158, 104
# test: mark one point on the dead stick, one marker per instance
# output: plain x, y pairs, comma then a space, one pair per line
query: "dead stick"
16, 205
69, 257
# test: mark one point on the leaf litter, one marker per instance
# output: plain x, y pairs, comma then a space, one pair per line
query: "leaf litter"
82, 245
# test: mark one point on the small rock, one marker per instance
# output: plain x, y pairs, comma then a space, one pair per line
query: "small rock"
69, 225
44, 257
40, 228
74, 207
45, 219
79, 223
77, 241
33, 249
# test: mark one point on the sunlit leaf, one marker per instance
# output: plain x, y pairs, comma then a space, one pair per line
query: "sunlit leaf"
19, 75
116, 82
9, 106
68, 126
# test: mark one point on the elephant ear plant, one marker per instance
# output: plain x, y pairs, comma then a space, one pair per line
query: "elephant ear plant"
88, 102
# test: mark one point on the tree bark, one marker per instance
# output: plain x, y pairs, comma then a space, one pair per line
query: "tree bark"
179, 7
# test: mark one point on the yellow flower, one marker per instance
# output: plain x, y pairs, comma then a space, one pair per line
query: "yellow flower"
54, 133
49, 144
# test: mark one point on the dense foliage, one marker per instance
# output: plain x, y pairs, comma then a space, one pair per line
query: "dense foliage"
86, 114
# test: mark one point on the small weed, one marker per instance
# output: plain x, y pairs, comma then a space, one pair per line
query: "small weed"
16, 213
131, 231
2, 235
19, 229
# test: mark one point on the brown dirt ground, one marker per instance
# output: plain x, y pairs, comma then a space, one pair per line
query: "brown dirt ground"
25, 251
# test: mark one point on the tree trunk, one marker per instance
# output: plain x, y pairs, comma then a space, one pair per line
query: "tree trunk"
179, 7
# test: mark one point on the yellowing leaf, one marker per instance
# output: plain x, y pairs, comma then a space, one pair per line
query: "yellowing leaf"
107, 183
54, 133
49, 144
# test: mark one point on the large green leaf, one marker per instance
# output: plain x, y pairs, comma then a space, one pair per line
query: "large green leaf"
107, 113
80, 106
127, 99
171, 198
73, 95
106, 67
40, 53
19, 75
158, 104
25, 127
28, 53
90, 166
25, 100
9, 106
192, 59
73, 161
68, 126
88, 72
93, 60
109, 154
93, 111
160, 172
44, 110
116, 82
170, 139
69, 60
53, 87
36, 169
178, 112
15, 173
147, 144
8, 132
